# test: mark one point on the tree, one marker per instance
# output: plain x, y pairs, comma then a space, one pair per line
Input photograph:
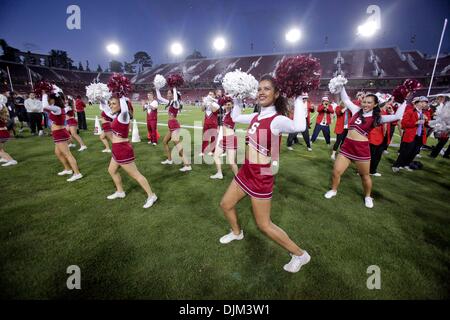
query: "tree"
195, 55
60, 59
80, 66
87, 66
99, 69
115, 66
9, 53
128, 67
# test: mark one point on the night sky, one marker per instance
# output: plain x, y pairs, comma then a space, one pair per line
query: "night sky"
152, 25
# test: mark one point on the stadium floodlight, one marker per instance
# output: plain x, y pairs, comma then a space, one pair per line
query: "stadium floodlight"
293, 35
368, 29
219, 44
113, 48
176, 48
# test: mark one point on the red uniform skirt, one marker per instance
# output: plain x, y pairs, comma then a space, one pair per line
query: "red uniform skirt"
4, 135
61, 135
356, 150
72, 122
229, 142
122, 152
106, 127
256, 180
173, 124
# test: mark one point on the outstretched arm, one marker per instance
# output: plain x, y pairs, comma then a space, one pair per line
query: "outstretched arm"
348, 103
394, 117
54, 109
160, 98
124, 116
236, 113
283, 124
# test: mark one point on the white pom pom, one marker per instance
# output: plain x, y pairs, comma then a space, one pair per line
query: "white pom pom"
240, 84
98, 91
3, 100
159, 81
441, 123
336, 84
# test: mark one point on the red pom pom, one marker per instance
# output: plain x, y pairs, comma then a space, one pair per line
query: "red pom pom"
119, 85
412, 85
42, 86
224, 100
400, 93
297, 75
175, 80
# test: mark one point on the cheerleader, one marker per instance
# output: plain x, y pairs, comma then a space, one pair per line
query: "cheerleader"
173, 105
210, 123
54, 106
5, 158
123, 154
152, 118
106, 119
356, 145
255, 177
227, 140
341, 129
72, 125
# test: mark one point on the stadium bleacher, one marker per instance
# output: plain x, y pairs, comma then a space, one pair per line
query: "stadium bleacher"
367, 69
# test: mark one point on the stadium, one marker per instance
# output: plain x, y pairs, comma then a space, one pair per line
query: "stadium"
52, 229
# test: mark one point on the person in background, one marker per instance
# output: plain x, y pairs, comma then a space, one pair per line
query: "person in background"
34, 110
11, 124
343, 116
292, 137
414, 134
442, 137
79, 107
325, 110
21, 112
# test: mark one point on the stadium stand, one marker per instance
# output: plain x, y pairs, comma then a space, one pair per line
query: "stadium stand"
367, 69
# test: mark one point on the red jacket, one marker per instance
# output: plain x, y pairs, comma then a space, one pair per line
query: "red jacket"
409, 126
340, 117
376, 135
79, 105
322, 112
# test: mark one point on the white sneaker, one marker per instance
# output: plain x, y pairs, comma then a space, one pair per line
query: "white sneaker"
10, 163
210, 154
71, 145
385, 152
65, 172
154, 143
333, 157
368, 202
167, 162
330, 194
201, 154
150, 201
231, 236
309, 149
218, 175
376, 174
41, 133
290, 149
186, 168
82, 148
395, 169
75, 177
223, 154
407, 168
418, 156
149, 142
297, 262
106, 150
3, 160
116, 195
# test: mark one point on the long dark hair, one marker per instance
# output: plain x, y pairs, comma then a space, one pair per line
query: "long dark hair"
376, 112
280, 102
59, 99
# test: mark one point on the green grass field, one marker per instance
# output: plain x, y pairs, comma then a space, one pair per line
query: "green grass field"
171, 251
